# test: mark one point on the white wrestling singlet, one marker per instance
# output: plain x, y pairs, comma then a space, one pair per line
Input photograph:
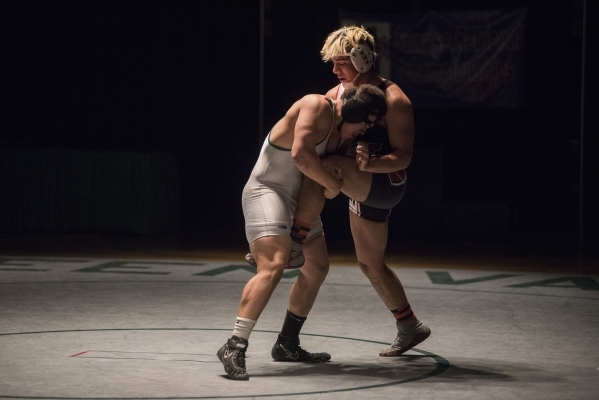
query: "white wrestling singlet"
270, 195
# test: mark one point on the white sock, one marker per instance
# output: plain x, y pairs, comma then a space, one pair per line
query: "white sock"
243, 328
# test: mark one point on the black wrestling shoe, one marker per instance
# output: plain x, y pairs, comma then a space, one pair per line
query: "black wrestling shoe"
286, 349
232, 355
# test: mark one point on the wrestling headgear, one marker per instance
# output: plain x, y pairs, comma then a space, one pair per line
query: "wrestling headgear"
362, 58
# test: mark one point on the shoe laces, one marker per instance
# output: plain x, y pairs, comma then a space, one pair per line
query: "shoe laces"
404, 334
401, 336
240, 359
292, 347
304, 354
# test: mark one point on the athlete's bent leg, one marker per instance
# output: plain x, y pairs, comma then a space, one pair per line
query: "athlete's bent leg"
370, 240
301, 299
355, 184
305, 289
271, 254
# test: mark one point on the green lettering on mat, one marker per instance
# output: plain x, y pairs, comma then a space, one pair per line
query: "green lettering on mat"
583, 283
291, 274
226, 268
34, 260
234, 267
443, 278
20, 265
120, 267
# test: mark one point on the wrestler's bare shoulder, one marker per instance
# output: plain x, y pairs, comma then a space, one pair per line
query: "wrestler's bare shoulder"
396, 96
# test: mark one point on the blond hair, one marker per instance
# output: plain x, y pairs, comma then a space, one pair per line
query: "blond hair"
341, 41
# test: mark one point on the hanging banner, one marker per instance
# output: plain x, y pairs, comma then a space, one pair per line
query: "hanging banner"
451, 59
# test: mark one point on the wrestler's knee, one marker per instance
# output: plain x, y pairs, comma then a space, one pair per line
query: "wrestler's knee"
332, 167
373, 270
315, 271
271, 274
321, 272
364, 268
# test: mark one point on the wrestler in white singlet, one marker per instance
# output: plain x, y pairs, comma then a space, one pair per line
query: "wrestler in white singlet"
270, 195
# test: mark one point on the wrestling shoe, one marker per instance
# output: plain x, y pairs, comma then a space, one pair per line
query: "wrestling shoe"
296, 258
250, 260
232, 355
409, 334
286, 349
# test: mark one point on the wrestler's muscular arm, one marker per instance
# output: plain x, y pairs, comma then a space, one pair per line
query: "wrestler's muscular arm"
400, 127
312, 125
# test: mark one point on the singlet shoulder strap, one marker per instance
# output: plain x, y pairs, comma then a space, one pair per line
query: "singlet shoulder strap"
326, 138
332, 104
340, 90
385, 84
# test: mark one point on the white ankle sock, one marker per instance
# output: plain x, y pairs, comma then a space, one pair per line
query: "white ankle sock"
243, 328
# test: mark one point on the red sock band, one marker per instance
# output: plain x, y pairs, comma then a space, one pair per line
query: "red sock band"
299, 231
405, 314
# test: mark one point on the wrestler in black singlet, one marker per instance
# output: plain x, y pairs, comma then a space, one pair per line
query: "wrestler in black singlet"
387, 189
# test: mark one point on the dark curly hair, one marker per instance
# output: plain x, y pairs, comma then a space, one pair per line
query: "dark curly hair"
371, 95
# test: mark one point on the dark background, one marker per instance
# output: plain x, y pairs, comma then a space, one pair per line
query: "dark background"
183, 77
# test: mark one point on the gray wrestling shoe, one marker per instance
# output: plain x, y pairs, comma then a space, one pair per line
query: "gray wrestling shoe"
250, 260
409, 334
296, 258
232, 355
